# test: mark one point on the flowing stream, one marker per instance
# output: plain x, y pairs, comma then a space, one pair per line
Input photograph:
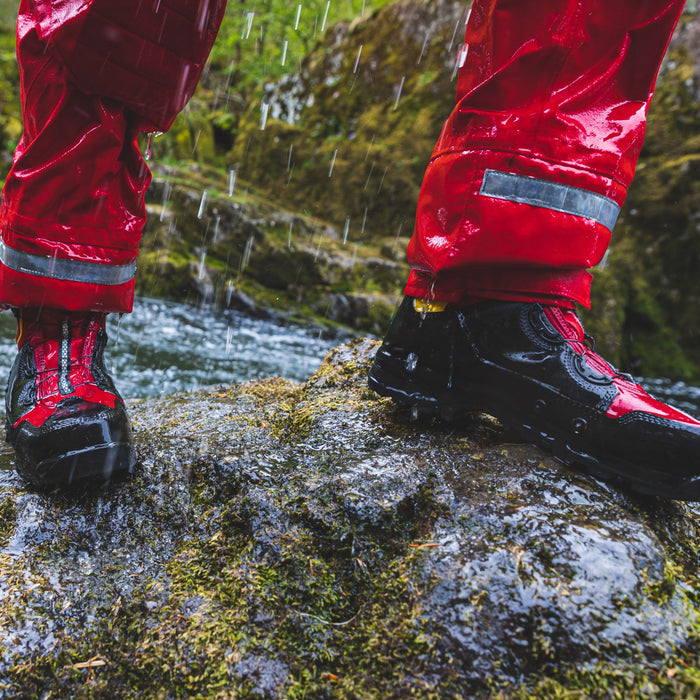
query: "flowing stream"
165, 347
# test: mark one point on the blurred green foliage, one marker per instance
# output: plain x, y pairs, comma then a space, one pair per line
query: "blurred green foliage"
262, 40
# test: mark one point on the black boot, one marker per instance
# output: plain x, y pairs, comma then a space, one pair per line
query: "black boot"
532, 367
64, 417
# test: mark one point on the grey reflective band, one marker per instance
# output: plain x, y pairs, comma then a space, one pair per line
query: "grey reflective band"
550, 195
64, 269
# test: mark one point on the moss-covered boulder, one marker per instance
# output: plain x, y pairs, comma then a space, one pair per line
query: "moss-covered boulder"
284, 540
208, 241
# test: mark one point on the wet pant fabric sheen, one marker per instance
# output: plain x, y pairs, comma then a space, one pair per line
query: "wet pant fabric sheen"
94, 73
522, 190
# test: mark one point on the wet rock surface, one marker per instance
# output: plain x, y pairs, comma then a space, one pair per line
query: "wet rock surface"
289, 540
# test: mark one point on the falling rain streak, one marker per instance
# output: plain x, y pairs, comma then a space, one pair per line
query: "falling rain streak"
202, 204
249, 28
167, 191
245, 258
325, 16
425, 44
357, 60
231, 182
399, 91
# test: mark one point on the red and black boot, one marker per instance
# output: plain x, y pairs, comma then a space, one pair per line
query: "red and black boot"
532, 367
64, 417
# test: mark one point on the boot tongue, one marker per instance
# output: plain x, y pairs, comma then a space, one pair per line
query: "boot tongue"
568, 324
36, 326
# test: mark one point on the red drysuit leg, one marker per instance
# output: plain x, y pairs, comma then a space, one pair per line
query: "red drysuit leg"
530, 171
93, 74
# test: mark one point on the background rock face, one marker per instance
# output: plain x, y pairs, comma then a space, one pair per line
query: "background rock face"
308, 540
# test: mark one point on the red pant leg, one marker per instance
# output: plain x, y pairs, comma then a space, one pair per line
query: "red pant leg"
93, 74
530, 171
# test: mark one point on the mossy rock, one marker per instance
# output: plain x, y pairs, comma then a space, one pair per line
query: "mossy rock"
309, 540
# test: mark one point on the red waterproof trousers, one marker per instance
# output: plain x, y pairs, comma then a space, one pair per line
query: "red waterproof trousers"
533, 165
94, 73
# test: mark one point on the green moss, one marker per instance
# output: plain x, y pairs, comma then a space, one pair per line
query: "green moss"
8, 516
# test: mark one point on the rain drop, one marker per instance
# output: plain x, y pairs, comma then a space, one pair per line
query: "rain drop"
325, 16
167, 190
265, 110
357, 60
202, 204
425, 44
147, 155
399, 91
250, 18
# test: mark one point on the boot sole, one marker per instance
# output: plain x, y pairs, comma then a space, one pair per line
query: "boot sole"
103, 462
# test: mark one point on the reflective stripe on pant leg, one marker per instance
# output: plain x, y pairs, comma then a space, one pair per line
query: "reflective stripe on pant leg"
56, 268
550, 195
